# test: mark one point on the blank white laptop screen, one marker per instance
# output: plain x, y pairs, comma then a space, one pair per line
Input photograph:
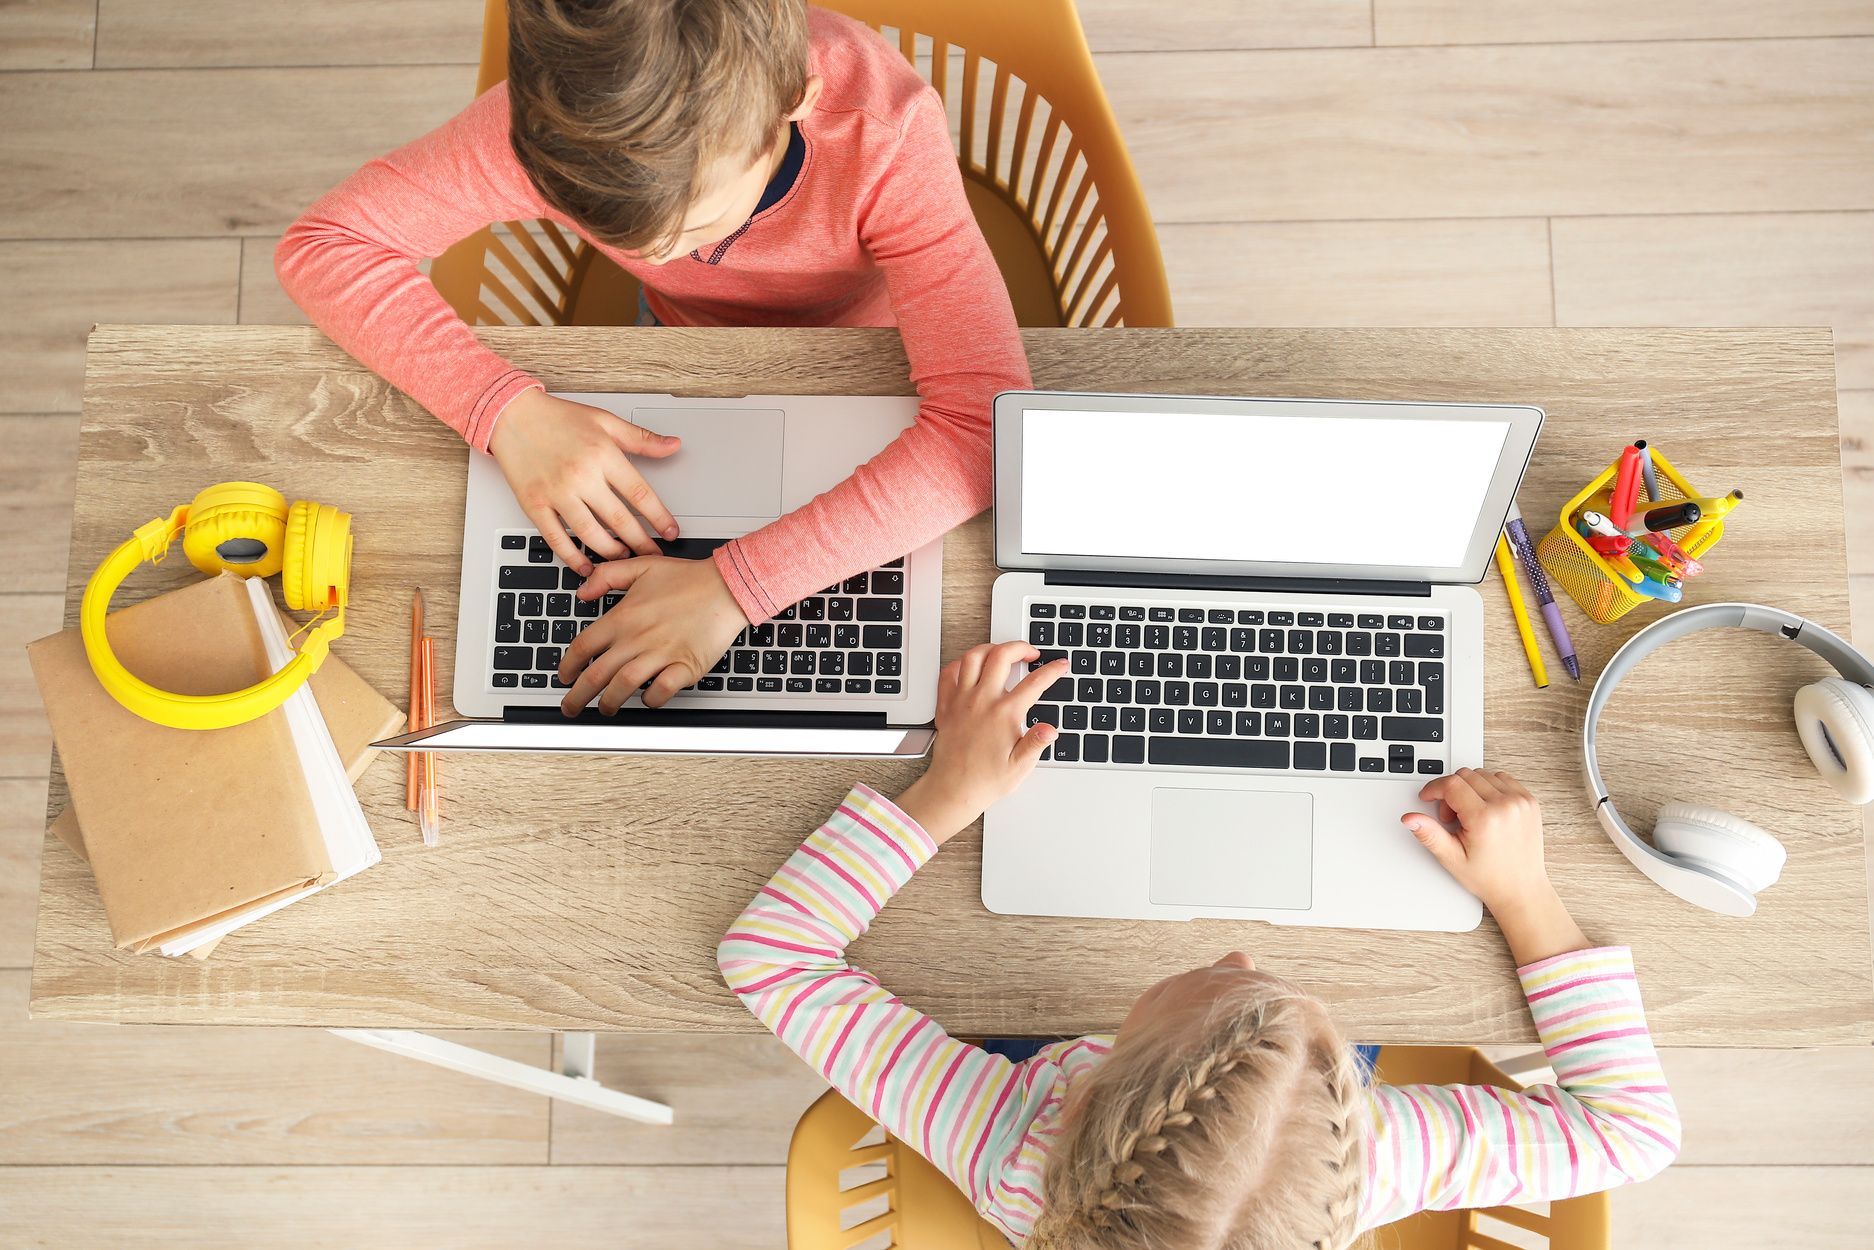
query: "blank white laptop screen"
1290, 490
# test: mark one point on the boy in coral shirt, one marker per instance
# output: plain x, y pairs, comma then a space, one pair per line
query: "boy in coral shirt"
751, 162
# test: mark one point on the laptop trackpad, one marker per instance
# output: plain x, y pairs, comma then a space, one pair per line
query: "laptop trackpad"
1232, 848
729, 465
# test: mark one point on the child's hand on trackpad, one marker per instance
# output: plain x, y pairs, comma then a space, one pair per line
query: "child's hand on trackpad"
670, 629
567, 466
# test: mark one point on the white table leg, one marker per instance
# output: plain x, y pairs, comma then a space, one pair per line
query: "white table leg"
573, 1083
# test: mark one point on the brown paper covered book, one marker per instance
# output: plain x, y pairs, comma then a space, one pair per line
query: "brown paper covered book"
183, 825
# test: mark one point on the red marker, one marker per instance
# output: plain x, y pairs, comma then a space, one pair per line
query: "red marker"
1627, 480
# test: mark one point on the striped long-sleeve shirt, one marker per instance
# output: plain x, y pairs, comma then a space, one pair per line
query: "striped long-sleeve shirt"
989, 1124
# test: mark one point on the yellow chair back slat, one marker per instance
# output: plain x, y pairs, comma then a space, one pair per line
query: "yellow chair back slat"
1071, 233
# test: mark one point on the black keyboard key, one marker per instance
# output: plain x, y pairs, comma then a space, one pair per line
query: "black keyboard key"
1399, 759
811, 609
507, 681
1281, 618
1431, 622
786, 613
1340, 620
790, 636
885, 583
1062, 689
1314, 668
1100, 612
1249, 618
1307, 725
1294, 697
1432, 677
1162, 614
1084, 662
1099, 635
1146, 692
1379, 699
1321, 698
1074, 716
1275, 724
1119, 690
774, 663
587, 608
1190, 721
1184, 637
1177, 693
1042, 713
514, 657
839, 609
1235, 694
741, 685
1132, 614
1269, 642
1126, 637
539, 553
1408, 702
1287, 668
886, 687
1217, 723
1105, 719
1157, 637
1128, 750
1425, 646
1366, 728
1070, 634
858, 663
818, 635
1343, 672
1300, 642
1398, 622
534, 630
1400, 673
1262, 695
546, 658
1435, 767
1041, 609
1067, 748
1191, 616
1372, 764
893, 564
800, 685
1073, 611
1041, 633
513, 542
504, 607
1334, 726
1197, 665
1311, 756
1249, 724
1140, 664
1310, 618
1340, 757
1229, 667
1372, 620
747, 662
1219, 752
507, 631
889, 664
1386, 644
1090, 690
532, 604
1327, 641
802, 665
559, 605
881, 637
1163, 720
1411, 729
1373, 672
1220, 616
1204, 693
1243, 640
1256, 667
1132, 719
854, 585
709, 683
832, 664
1359, 643
570, 580
1350, 699
613, 599
1113, 663
534, 681
767, 685
565, 631
1171, 664
858, 685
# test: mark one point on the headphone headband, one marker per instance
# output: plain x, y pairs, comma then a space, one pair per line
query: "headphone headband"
1702, 886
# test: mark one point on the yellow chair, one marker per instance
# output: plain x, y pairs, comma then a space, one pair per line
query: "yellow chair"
922, 1210
1053, 188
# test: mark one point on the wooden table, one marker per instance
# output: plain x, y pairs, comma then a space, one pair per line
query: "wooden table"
588, 894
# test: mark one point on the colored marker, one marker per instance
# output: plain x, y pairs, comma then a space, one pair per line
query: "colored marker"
1601, 535
1538, 580
1675, 555
1665, 592
1670, 517
1626, 488
1714, 508
1648, 474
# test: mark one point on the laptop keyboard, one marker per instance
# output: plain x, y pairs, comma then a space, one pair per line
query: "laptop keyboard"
1268, 689
847, 639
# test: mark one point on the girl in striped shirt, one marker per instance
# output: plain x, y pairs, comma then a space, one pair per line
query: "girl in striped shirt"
1227, 1111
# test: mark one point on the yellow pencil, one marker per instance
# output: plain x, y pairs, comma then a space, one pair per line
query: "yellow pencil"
1507, 567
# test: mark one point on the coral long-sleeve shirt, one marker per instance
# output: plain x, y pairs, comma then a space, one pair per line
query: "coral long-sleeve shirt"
875, 231
989, 1124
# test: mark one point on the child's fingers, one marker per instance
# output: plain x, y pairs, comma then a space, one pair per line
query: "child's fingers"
1434, 837
613, 575
1029, 691
970, 666
1482, 782
1028, 750
625, 480
547, 521
1456, 793
638, 441
1509, 785
947, 687
673, 678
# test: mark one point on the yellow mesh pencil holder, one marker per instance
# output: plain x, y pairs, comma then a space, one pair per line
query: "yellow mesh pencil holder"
1577, 568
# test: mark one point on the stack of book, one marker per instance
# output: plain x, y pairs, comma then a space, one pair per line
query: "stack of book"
193, 833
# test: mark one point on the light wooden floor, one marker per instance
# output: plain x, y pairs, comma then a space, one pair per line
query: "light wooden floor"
1311, 162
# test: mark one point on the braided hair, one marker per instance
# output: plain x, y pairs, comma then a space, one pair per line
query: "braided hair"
1235, 1125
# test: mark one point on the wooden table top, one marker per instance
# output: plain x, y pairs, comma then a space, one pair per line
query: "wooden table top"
589, 893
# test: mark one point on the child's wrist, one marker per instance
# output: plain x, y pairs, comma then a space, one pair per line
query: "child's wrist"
939, 812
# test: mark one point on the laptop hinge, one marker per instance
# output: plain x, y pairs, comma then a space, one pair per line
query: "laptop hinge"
1198, 581
707, 717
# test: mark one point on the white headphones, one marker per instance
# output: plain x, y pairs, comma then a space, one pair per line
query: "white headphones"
1708, 856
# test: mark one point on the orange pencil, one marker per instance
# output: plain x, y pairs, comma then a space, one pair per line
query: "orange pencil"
415, 722
428, 818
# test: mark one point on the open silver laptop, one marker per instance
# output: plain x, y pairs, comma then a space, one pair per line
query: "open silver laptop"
1273, 648
850, 670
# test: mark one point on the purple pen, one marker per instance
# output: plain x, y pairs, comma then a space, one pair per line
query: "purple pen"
1538, 580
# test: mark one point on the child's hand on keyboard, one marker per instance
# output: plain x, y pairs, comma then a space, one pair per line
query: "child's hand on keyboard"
675, 623
567, 466
984, 747
1496, 854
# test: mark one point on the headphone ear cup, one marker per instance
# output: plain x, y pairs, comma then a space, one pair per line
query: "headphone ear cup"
236, 526
1710, 838
316, 574
1835, 719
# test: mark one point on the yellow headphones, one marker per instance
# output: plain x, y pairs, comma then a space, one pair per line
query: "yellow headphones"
243, 528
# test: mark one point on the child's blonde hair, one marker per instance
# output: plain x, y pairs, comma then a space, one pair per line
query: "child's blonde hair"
1233, 1125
